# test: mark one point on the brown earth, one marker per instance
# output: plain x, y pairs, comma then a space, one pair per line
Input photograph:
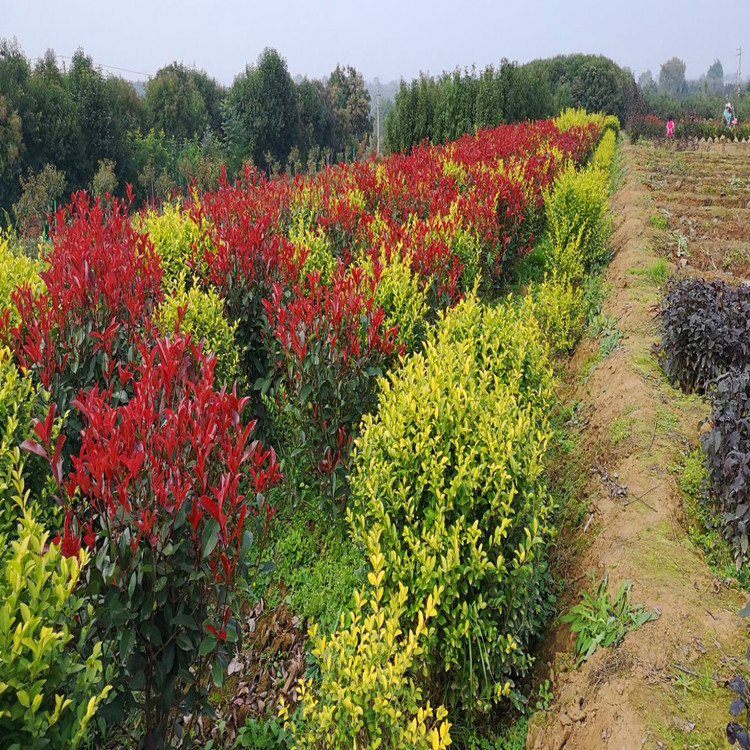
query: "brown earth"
663, 687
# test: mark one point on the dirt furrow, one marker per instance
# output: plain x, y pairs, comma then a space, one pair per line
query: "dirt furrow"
663, 686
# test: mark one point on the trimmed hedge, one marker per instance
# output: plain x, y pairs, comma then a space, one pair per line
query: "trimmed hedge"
448, 486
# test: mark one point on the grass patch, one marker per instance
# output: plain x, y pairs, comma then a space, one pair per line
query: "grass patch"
693, 703
666, 421
510, 737
646, 365
621, 429
567, 466
315, 561
659, 220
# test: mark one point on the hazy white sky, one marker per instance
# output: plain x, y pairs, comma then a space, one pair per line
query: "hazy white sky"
388, 38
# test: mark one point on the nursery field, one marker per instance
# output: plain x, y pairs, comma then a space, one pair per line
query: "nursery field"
701, 196
275, 456
448, 449
662, 505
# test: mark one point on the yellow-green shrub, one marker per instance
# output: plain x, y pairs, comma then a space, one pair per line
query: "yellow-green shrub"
560, 310
176, 238
368, 696
19, 401
605, 152
577, 207
564, 251
449, 476
612, 123
203, 318
403, 298
48, 692
572, 118
15, 269
314, 241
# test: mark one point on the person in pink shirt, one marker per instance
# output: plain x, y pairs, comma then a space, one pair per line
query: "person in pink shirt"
670, 127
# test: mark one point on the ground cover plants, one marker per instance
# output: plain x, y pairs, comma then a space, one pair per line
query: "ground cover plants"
337, 343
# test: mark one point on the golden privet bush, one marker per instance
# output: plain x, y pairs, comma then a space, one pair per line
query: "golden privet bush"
201, 314
16, 269
178, 240
48, 692
448, 475
403, 298
577, 211
369, 696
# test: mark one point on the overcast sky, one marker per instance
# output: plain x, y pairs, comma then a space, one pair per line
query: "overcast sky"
386, 39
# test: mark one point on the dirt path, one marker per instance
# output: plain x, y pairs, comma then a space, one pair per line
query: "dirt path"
663, 687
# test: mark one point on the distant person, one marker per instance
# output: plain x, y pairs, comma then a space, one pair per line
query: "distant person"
728, 114
670, 127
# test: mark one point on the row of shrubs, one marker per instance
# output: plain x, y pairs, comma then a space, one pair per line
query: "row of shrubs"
705, 348
117, 386
575, 245
450, 503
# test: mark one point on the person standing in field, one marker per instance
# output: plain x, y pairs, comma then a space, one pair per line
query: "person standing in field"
728, 114
670, 127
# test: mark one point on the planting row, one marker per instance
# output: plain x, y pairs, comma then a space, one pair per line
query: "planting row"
130, 347
705, 347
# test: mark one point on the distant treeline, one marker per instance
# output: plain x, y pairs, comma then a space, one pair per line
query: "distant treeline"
62, 130
454, 103
68, 129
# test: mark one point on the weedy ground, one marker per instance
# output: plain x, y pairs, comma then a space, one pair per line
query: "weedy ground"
631, 477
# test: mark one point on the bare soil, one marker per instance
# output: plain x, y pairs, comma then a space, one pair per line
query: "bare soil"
663, 687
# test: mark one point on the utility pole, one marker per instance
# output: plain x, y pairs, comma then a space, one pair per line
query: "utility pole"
739, 71
377, 111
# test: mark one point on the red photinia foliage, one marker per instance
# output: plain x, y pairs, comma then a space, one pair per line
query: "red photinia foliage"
325, 344
177, 442
102, 283
169, 490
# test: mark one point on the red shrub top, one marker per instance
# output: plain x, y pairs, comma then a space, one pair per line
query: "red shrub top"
177, 448
103, 279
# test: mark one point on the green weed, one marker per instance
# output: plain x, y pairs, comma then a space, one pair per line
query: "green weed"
621, 429
315, 561
601, 621
704, 520
658, 271
659, 220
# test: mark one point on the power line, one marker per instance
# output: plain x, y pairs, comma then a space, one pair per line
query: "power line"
102, 65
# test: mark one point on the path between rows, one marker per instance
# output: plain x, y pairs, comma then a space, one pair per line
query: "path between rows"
663, 687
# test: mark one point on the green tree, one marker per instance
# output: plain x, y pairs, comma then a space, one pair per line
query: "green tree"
672, 77
40, 193
94, 118
350, 107
212, 93
646, 81
51, 131
11, 144
175, 103
315, 116
715, 78
261, 107
104, 180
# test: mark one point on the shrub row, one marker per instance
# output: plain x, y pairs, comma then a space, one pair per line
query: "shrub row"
576, 244
705, 347
449, 501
